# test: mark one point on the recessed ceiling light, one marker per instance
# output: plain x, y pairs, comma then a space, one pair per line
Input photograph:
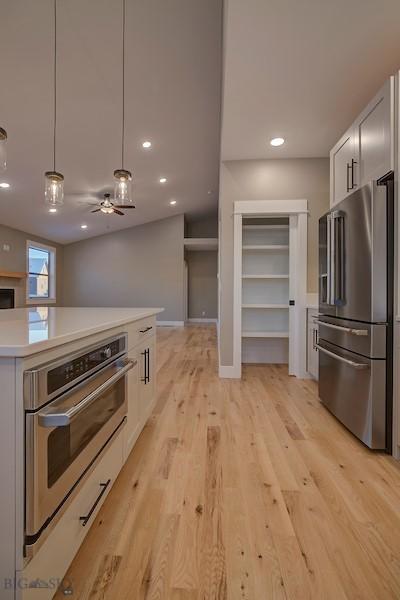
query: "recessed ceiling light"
83, 226
52, 210
163, 180
172, 202
4, 185
146, 144
277, 141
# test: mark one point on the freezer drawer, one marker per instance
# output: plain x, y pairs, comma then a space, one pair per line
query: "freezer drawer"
353, 388
363, 338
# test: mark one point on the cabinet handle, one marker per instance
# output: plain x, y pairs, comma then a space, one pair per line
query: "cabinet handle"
353, 183
144, 379
148, 365
348, 167
86, 518
145, 330
315, 338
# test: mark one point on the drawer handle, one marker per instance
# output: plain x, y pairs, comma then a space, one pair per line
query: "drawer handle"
340, 328
86, 518
342, 359
145, 330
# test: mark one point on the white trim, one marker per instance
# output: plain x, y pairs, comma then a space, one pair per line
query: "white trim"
170, 323
202, 320
237, 295
273, 207
297, 211
229, 372
38, 300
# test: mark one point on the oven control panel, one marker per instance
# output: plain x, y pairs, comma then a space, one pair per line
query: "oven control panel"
64, 374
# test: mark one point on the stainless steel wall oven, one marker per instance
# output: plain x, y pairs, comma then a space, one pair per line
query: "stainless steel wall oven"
73, 409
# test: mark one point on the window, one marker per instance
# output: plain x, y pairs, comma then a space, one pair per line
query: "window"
41, 273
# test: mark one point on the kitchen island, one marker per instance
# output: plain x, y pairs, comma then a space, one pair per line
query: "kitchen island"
78, 385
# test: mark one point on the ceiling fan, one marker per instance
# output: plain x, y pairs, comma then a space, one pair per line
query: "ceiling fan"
107, 207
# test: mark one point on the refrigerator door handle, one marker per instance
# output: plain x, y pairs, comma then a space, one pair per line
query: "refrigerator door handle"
347, 361
337, 237
329, 261
344, 329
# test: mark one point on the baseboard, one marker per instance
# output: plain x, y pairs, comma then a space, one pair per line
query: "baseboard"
202, 320
170, 323
229, 372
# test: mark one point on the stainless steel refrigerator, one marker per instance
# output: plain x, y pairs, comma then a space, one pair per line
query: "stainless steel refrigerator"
355, 319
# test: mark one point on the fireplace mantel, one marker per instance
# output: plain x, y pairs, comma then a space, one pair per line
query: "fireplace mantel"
13, 274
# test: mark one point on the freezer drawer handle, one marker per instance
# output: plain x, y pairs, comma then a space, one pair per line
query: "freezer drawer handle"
351, 363
344, 329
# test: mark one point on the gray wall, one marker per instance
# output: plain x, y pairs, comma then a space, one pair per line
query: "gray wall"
15, 260
139, 266
278, 179
202, 228
202, 284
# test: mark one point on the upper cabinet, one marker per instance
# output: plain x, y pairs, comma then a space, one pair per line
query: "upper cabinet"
366, 150
343, 166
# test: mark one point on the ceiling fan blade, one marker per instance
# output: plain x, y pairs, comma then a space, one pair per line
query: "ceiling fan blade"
118, 212
97, 210
124, 206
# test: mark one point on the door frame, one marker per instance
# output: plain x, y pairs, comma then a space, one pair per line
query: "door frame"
297, 211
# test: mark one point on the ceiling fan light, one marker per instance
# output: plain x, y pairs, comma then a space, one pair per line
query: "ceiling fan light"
54, 188
122, 186
3, 149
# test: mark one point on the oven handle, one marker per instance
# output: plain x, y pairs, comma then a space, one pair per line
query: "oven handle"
63, 419
340, 328
349, 362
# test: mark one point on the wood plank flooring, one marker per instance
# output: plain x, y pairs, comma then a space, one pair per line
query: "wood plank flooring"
242, 490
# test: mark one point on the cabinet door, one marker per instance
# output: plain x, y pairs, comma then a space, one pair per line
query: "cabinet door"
375, 130
146, 379
343, 160
133, 417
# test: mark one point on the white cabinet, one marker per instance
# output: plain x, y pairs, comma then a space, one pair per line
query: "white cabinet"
366, 151
133, 416
312, 338
146, 353
375, 128
343, 163
55, 556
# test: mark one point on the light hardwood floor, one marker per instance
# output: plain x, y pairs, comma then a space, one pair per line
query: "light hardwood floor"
242, 490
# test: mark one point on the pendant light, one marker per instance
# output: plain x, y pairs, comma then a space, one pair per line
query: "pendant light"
54, 181
122, 177
3, 149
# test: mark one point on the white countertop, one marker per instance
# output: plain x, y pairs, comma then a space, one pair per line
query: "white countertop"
25, 331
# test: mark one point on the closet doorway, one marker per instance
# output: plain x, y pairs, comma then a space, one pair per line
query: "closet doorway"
270, 279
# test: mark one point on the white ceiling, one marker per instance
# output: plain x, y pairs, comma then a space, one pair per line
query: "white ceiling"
173, 74
302, 70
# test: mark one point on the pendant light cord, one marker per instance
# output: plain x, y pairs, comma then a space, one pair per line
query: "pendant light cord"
123, 82
55, 85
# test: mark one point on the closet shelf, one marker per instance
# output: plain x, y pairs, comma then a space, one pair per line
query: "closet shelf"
266, 247
249, 276
265, 334
269, 306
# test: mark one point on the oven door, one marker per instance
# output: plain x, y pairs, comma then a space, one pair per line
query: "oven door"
65, 437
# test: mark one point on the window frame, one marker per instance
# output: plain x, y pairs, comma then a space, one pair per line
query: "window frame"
39, 300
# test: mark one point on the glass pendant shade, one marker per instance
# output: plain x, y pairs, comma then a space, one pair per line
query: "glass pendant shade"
122, 187
54, 188
3, 149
